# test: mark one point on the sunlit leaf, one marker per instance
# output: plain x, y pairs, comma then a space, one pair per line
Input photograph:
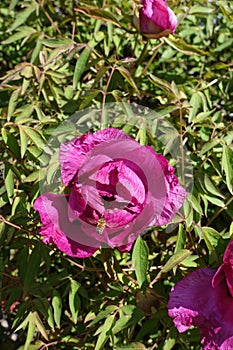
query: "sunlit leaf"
80, 66
105, 332
140, 260
227, 166
22, 16
180, 45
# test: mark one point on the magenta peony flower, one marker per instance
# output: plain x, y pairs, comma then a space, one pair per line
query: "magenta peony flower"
204, 299
156, 19
115, 189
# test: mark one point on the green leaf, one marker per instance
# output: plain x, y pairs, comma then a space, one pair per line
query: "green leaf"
163, 111
105, 332
180, 45
12, 5
74, 300
227, 166
202, 10
226, 10
32, 267
142, 136
11, 142
181, 238
231, 230
211, 188
188, 213
190, 261
98, 14
23, 141
195, 203
175, 259
57, 307
126, 74
40, 326
215, 201
35, 136
22, 33
36, 51
211, 237
201, 117
121, 323
209, 145
34, 176
52, 170
169, 343
130, 315
140, 260
24, 323
195, 102
54, 43
103, 314
88, 98
132, 346
44, 307
37, 345
9, 182
161, 83
13, 103
22, 16
80, 66
30, 332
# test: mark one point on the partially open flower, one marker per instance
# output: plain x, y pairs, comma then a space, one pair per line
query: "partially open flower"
156, 19
115, 189
204, 299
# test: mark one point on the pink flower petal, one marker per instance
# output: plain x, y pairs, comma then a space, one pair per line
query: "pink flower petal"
115, 183
228, 266
73, 153
91, 202
125, 248
156, 17
194, 302
52, 209
218, 277
175, 193
133, 229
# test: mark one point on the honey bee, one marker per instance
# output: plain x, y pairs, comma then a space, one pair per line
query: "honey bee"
100, 226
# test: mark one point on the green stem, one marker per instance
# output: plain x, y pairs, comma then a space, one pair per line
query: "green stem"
142, 55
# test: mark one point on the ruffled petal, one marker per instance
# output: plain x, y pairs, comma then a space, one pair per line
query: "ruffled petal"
139, 161
52, 209
225, 271
228, 266
194, 302
175, 193
126, 235
112, 178
218, 277
85, 203
109, 134
73, 153
227, 344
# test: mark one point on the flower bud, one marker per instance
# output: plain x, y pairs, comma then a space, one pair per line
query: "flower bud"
156, 19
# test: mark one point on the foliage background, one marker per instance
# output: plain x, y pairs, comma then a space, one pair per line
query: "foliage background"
58, 57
